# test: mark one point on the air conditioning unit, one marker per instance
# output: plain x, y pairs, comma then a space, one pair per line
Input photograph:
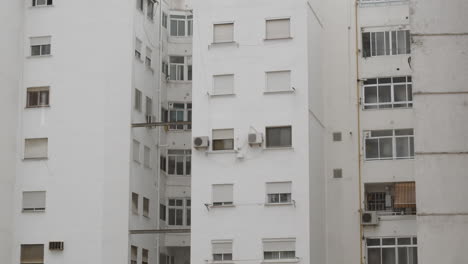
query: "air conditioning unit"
201, 142
370, 218
255, 138
150, 119
56, 245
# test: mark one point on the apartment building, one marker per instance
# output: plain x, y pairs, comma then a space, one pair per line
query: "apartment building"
76, 177
257, 190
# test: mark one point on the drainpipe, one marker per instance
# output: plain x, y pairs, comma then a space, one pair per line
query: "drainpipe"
358, 108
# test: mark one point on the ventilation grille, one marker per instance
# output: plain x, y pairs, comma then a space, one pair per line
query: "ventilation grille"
56, 245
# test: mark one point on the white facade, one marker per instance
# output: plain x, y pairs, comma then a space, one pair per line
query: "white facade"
247, 105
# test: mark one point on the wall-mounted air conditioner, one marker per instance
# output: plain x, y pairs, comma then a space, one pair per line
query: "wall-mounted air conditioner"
370, 218
201, 142
255, 138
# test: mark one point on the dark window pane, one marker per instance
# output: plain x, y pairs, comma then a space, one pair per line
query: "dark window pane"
173, 27
218, 257
394, 42
387, 43
401, 38
179, 218
366, 46
400, 92
402, 255
370, 94
172, 216
408, 42
385, 145
380, 44
373, 242
45, 49
385, 94
172, 165
370, 81
388, 256
404, 241
33, 98
373, 256
227, 256
372, 148
35, 50
402, 147
388, 241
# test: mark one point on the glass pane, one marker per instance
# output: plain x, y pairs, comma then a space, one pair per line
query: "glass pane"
270, 255
180, 165
35, 50
388, 241
394, 42
408, 42
180, 72
387, 43
380, 44
366, 46
172, 165
385, 145
372, 148
410, 92
189, 215
402, 255
413, 255
400, 92
172, 72
404, 241
188, 166
273, 198
285, 197
179, 219
373, 44
402, 147
273, 137
287, 254
32, 98
171, 216
179, 202
401, 38
217, 256
285, 139
411, 147
404, 132
373, 242
173, 27
385, 94
388, 256
370, 94
45, 49
382, 133
181, 28
373, 256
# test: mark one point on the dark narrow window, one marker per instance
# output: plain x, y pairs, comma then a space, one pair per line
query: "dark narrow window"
366, 45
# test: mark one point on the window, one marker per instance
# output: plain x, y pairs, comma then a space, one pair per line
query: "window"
336, 136
136, 151
189, 68
279, 248
223, 139
179, 112
41, 2
386, 43
37, 97
179, 162
133, 255
32, 254
223, 33
189, 25
134, 203
34, 201
36, 148
278, 81
278, 192
391, 198
162, 212
138, 45
150, 9
188, 212
223, 194
176, 68
148, 57
278, 28
165, 68
146, 205
147, 157
392, 250
140, 4
389, 144
391, 92
144, 254
162, 163
138, 96
164, 20
278, 137
178, 25
40, 46
176, 209
223, 84
149, 108
222, 250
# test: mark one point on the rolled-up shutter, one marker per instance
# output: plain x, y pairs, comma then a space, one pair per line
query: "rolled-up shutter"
34, 200
405, 195
278, 187
222, 246
222, 193
223, 33
278, 28
286, 244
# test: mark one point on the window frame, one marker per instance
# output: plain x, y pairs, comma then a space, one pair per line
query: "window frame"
146, 207
276, 19
185, 155
225, 141
186, 115
279, 195
180, 69
187, 22
138, 49
279, 146
32, 157
368, 137
39, 90
178, 208
225, 257
46, 3
45, 49
140, 5
146, 157
135, 206
413, 244
289, 89
213, 90
388, 40
23, 246
392, 104
279, 253
136, 151
138, 102
133, 257
233, 32
35, 209
221, 203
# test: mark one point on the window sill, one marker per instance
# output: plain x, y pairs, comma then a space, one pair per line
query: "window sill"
225, 44
179, 81
35, 107
411, 158
223, 206
33, 211
279, 261
278, 204
222, 151
222, 95
39, 56
221, 261
40, 6
33, 159
391, 108
280, 92
278, 148
273, 39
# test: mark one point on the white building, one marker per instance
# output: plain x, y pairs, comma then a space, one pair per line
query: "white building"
258, 188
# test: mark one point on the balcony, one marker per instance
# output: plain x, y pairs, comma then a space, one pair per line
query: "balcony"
391, 199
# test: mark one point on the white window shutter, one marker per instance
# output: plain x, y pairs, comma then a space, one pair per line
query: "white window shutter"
34, 200
35, 41
278, 81
223, 84
286, 244
278, 28
278, 187
223, 134
35, 148
223, 193
222, 246
223, 33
